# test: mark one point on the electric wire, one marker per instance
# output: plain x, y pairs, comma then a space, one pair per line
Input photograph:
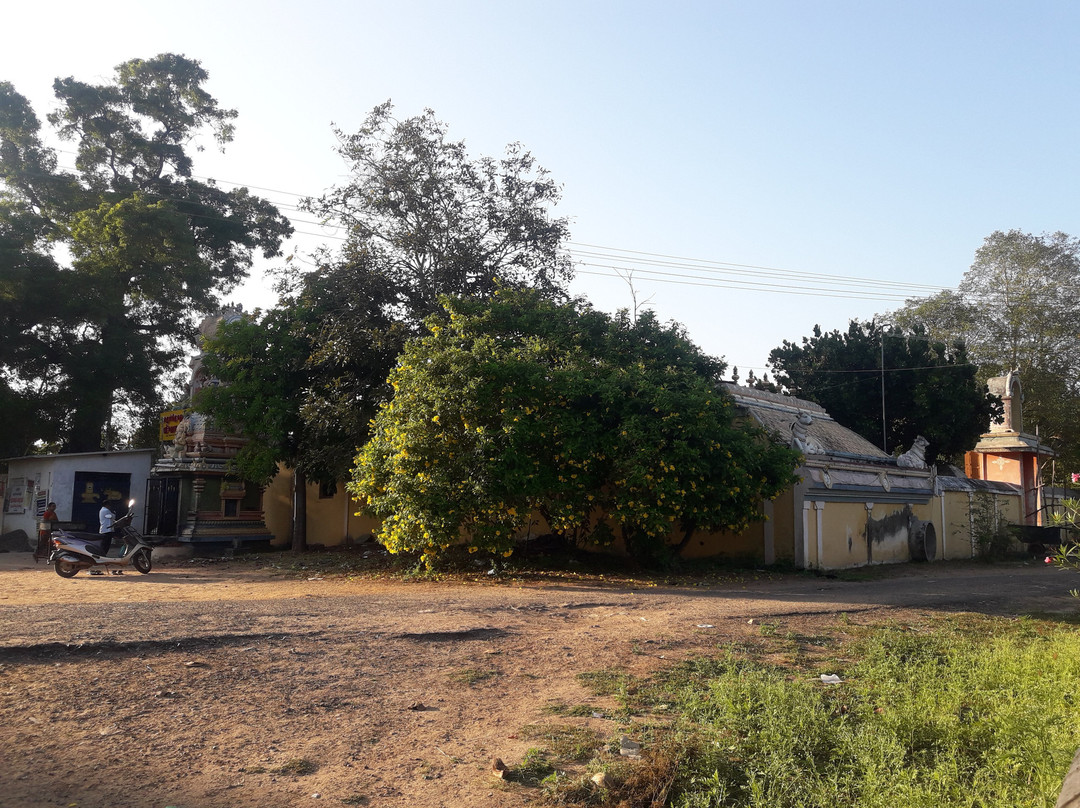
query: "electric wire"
704, 273
624, 264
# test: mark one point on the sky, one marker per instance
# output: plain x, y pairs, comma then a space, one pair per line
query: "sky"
748, 169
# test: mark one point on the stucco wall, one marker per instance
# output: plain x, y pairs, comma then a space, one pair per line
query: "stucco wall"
959, 508
783, 522
277, 508
956, 533
748, 544
850, 534
331, 522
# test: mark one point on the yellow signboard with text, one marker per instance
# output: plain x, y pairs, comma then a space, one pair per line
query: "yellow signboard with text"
169, 421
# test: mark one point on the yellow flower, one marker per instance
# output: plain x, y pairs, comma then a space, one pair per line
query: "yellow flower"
473, 549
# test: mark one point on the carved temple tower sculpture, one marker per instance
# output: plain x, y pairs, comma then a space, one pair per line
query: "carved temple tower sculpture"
1007, 453
195, 493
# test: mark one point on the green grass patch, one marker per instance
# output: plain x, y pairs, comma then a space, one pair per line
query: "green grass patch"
605, 682
577, 710
472, 676
533, 769
965, 710
966, 713
564, 742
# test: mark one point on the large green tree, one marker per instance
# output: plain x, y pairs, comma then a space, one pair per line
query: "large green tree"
439, 222
930, 387
302, 381
105, 266
1018, 308
423, 219
522, 405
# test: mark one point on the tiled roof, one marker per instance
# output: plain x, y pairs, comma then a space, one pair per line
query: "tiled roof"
949, 483
777, 413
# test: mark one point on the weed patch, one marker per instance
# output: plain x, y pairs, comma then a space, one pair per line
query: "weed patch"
603, 683
472, 676
296, 767
959, 711
564, 741
932, 715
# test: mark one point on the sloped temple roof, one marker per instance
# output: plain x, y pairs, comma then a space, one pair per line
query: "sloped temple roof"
778, 413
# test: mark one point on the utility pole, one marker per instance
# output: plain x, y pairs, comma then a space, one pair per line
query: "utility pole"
884, 435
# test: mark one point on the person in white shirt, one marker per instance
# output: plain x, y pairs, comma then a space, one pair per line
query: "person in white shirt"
105, 528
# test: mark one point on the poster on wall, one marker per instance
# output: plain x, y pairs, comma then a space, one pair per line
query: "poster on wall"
92, 488
16, 496
41, 500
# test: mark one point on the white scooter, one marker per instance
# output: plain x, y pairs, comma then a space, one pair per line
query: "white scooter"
73, 551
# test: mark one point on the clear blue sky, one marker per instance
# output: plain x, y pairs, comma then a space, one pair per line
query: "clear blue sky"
870, 140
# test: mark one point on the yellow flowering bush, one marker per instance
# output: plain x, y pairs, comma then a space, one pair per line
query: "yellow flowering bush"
520, 406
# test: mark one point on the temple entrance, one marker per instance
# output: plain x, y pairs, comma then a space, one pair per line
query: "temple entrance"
162, 506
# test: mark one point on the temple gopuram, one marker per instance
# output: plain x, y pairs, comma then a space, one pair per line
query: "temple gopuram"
194, 494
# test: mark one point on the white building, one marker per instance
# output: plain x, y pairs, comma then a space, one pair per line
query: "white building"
77, 483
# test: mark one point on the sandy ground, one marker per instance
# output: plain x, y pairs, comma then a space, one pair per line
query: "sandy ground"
199, 684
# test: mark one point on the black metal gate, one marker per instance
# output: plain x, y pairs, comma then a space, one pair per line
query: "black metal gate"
162, 506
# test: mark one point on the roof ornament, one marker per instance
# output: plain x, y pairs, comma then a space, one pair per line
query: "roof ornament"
915, 457
800, 434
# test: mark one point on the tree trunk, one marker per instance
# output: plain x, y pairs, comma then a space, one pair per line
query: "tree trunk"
688, 533
299, 525
91, 389
91, 413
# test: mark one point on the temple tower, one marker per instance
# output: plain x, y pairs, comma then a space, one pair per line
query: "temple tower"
1006, 453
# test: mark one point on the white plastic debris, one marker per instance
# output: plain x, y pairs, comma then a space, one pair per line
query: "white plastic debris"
830, 679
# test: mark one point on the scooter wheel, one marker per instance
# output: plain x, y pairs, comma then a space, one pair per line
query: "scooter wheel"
66, 569
141, 562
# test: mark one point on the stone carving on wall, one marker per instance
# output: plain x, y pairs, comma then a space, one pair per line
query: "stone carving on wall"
183, 431
915, 457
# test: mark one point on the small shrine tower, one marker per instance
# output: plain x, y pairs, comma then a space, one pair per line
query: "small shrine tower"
1007, 453
195, 493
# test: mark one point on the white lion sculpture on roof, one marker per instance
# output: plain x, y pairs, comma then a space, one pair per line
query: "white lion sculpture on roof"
915, 457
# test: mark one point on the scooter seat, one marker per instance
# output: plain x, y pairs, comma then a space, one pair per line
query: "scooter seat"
93, 541
83, 536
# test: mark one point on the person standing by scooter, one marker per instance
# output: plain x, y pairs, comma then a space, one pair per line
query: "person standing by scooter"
45, 527
105, 528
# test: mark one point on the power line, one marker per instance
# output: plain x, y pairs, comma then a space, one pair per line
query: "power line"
619, 254
736, 268
658, 267
753, 286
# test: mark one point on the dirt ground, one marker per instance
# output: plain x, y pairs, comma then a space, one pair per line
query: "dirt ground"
204, 684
